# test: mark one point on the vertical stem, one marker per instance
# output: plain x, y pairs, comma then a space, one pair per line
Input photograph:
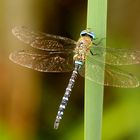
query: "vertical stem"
96, 20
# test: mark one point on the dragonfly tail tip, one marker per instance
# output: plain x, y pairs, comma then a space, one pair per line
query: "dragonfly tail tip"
56, 125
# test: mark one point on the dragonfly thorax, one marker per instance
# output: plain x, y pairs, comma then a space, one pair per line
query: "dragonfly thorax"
82, 48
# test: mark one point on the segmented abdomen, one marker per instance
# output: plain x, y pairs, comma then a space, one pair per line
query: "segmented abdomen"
66, 96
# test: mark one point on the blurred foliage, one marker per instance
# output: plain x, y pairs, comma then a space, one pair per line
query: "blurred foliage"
29, 100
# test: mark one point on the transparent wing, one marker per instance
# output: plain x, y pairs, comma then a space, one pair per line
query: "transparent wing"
43, 61
113, 76
43, 41
115, 56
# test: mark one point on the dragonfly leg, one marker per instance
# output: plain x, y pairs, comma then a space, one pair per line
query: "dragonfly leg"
98, 42
91, 52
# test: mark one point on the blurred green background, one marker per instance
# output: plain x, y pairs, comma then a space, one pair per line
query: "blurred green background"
29, 100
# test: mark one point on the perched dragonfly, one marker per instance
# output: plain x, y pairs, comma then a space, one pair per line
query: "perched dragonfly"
52, 53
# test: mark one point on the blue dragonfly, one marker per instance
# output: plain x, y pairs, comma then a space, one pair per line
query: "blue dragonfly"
53, 53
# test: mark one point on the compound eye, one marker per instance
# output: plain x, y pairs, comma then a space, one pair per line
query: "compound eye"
86, 32
83, 33
92, 35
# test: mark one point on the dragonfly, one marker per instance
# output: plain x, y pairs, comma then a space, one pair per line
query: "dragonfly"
54, 53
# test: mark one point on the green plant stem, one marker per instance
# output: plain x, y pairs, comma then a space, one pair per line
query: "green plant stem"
96, 20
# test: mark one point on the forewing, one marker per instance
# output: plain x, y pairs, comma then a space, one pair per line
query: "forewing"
43, 61
113, 76
43, 41
115, 56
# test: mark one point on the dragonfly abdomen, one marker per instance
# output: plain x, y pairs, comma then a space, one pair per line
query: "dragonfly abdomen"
66, 96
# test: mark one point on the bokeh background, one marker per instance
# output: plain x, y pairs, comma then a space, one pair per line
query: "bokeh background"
29, 100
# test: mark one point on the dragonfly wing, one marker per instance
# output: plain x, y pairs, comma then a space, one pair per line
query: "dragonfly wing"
43, 61
115, 56
43, 41
118, 78
113, 75
93, 72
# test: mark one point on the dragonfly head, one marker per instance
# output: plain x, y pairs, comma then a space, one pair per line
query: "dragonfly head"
89, 33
